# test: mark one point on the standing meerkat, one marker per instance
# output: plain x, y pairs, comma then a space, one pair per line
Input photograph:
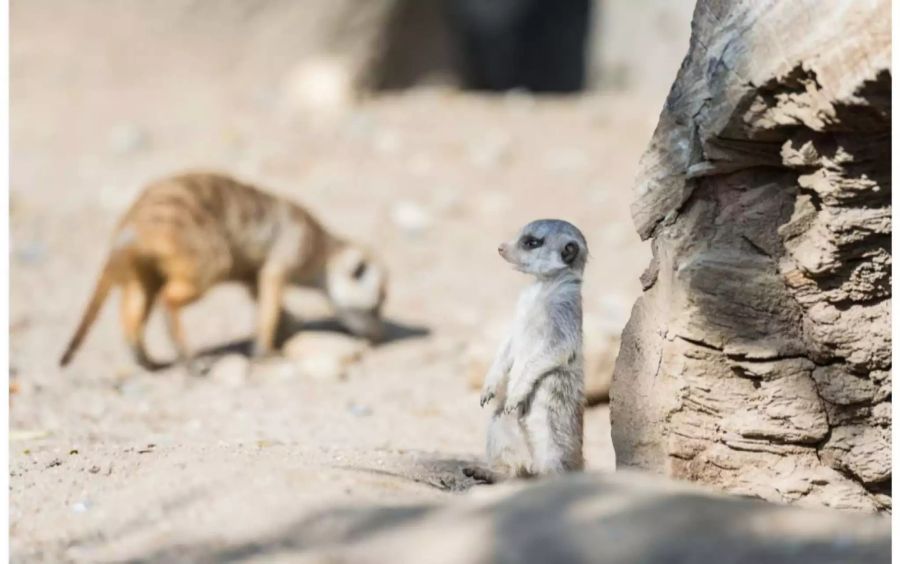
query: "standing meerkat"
187, 233
536, 379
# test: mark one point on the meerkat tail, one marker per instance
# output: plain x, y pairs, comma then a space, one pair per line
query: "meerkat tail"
101, 291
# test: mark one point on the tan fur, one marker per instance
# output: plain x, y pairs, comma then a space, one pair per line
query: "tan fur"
190, 232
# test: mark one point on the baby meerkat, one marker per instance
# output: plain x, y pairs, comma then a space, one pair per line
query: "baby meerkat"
536, 379
187, 233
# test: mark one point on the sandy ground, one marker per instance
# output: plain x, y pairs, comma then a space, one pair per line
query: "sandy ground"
109, 462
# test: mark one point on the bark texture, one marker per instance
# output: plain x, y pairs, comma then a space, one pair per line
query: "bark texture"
758, 358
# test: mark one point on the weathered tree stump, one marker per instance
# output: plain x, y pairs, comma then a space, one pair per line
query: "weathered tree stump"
758, 358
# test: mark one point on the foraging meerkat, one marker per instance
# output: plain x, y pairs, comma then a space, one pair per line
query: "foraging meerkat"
536, 379
186, 233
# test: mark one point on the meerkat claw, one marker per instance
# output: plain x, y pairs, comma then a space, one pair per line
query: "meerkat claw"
482, 475
514, 407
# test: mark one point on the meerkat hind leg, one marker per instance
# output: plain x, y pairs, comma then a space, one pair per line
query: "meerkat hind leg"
554, 434
137, 300
508, 452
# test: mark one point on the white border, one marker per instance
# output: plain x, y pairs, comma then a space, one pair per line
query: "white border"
895, 9
4, 238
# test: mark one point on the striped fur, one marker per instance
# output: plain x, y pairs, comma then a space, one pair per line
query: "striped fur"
187, 233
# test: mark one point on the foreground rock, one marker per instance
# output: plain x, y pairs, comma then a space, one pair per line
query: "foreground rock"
583, 518
758, 358
324, 355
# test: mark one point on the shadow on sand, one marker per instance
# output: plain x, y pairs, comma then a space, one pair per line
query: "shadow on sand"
204, 358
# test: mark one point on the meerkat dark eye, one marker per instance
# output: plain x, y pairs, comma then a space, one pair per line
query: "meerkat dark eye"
529, 242
360, 270
569, 252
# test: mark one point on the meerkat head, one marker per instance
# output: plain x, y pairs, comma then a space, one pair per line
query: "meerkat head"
546, 248
356, 282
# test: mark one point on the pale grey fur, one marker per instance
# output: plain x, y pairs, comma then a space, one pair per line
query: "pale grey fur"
536, 379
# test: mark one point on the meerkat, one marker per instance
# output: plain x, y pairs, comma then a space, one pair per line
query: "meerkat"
536, 380
189, 232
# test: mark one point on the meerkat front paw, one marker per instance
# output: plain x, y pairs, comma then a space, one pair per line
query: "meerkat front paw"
487, 395
516, 404
517, 408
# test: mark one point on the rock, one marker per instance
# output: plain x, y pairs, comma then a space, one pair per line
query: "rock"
519, 100
479, 353
420, 165
115, 197
860, 450
387, 142
490, 151
615, 518
231, 370
31, 252
602, 327
758, 357
80, 506
27, 434
323, 355
127, 138
448, 201
320, 84
477, 360
411, 218
836, 385
600, 350
358, 410
566, 160
492, 202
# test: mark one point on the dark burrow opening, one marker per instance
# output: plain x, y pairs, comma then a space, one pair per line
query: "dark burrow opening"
486, 45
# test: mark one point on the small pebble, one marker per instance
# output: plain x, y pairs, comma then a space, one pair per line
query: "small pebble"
490, 151
322, 355
127, 138
359, 410
32, 252
231, 370
411, 218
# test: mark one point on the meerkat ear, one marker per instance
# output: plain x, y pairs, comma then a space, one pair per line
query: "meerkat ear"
570, 252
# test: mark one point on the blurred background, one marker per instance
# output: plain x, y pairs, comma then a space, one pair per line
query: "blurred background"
430, 129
